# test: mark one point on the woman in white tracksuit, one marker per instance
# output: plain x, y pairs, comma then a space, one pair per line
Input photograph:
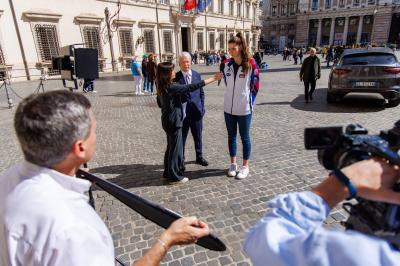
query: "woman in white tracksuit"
241, 78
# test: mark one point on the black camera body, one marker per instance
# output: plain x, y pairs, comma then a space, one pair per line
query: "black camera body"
337, 149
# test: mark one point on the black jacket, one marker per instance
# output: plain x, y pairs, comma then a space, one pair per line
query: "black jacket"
307, 67
170, 103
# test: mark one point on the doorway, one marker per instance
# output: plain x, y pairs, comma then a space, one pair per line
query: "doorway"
394, 36
185, 33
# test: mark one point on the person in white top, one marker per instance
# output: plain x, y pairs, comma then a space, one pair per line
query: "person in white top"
45, 215
241, 78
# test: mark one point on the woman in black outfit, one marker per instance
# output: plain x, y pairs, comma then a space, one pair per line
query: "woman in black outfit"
172, 115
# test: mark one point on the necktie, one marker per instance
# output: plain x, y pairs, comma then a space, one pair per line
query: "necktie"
187, 79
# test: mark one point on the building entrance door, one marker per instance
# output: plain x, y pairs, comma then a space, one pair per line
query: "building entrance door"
394, 36
185, 33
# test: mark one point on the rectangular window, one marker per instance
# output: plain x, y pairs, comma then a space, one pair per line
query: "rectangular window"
222, 40
231, 6
314, 5
47, 43
371, 2
283, 10
292, 9
274, 11
212, 41
221, 6
164, 2
239, 9
125, 40
356, 2
200, 41
254, 12
248, 38
167, 36
247, 10
91, 35
211, 6
328, 4
341, 3
149, 41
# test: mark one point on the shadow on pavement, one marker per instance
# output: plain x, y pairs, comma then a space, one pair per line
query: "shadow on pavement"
121, 94
141, 175
350, 104
126, 77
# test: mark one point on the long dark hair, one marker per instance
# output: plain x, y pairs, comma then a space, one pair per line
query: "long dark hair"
241, 42
163, 76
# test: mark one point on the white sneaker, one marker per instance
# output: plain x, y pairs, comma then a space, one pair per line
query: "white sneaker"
243, 172
232, 170
182, 181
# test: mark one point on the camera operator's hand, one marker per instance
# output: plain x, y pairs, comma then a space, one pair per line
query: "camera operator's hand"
374, 180
184, 231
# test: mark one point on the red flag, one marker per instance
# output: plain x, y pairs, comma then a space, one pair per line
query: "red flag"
189, 4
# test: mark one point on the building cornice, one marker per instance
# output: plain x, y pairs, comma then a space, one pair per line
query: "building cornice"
124, 22
41, 15
167, 25
87, 18
147, 24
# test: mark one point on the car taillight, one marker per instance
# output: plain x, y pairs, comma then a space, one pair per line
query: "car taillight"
392, 70
341, 72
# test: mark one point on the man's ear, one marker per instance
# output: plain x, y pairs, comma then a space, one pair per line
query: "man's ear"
78, 149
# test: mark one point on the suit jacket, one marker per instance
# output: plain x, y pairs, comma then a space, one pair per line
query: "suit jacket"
195, 99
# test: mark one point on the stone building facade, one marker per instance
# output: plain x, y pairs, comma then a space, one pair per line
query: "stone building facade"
330, 22
32, 32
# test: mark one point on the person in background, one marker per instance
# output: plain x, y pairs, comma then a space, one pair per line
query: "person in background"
137, 75
309, 73
151, 70
169, 96
301, 55
145, 72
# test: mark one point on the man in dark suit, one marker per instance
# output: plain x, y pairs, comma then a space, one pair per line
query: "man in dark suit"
194, 107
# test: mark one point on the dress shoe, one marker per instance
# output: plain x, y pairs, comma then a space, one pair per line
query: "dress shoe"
201, 161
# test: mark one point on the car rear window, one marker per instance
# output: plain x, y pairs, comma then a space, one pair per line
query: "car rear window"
369, 59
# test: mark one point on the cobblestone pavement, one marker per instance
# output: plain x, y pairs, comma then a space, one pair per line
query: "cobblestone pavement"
131, 143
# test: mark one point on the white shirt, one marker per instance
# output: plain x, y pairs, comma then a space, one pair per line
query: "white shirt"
46, 220
187, 76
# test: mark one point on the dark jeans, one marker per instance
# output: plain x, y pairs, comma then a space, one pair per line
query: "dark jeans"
244, 122
145, 82
150, 85
307, 92
173, 157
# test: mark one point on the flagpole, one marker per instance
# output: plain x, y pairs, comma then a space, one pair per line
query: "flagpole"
158, 34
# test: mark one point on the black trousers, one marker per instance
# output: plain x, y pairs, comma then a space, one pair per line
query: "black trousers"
307, 92
173, 158
196, 128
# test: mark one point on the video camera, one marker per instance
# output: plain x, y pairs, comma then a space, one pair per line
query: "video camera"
337, 149
77, 63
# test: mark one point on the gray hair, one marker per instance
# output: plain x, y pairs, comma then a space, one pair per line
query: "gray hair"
185, 55
48, 124
313, 49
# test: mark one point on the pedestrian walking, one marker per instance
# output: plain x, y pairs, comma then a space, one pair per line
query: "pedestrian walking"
309, 73
301, 55
172, 115
137, 75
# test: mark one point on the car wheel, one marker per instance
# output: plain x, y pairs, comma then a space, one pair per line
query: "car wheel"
394, 103
330, 98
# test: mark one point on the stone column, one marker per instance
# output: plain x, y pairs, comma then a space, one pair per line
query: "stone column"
319, 33
332, 32
359, 30
346, 30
